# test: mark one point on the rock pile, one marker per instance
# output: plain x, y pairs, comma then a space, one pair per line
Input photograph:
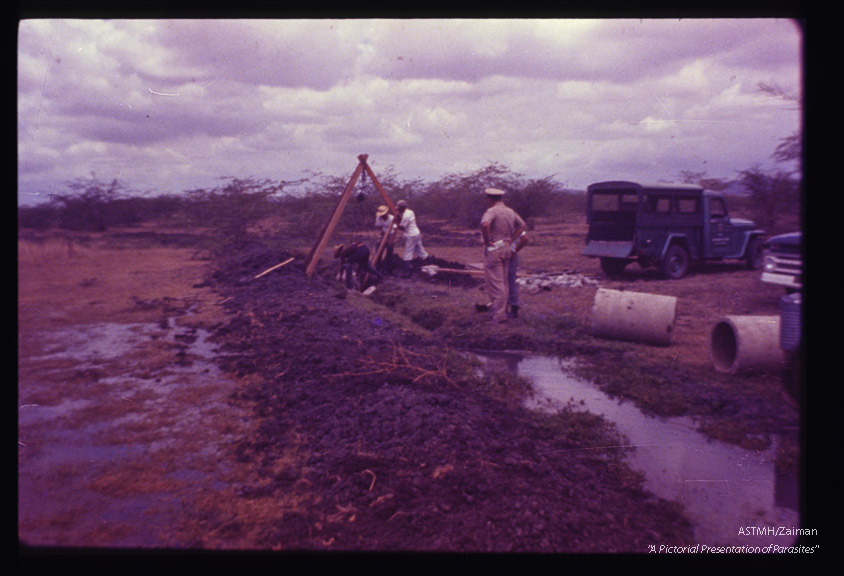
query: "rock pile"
547, 280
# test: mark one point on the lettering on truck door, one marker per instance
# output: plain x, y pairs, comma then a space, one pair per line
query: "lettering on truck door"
719, 229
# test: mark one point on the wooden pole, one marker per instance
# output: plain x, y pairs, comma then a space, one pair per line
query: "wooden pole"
388, 237
380, 188
325, 236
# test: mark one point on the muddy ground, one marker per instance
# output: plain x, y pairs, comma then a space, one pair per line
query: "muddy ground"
363, 423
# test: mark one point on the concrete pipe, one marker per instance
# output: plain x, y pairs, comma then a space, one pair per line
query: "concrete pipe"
634, 316
742, 343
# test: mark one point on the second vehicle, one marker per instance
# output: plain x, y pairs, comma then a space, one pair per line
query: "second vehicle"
667, 226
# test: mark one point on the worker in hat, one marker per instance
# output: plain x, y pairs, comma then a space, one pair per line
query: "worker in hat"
384, 223
355, 258
500, 227
406, 222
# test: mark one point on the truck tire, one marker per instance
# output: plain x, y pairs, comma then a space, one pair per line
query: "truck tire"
613, 266
676, 262
753, 256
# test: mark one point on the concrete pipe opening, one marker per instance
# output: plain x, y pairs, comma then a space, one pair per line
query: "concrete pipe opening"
634, 316
743, 343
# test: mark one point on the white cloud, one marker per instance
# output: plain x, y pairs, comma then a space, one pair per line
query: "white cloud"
174, 104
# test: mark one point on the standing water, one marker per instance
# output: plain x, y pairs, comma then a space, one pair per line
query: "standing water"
733, 496
118, 430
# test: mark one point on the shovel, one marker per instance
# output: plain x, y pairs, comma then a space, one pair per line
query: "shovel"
433, 270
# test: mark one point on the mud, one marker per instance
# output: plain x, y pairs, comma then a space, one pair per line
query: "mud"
363, 424
399, 462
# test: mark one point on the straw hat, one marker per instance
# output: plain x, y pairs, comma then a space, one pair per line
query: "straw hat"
382, 210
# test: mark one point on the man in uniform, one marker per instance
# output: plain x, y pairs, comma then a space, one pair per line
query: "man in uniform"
499, 226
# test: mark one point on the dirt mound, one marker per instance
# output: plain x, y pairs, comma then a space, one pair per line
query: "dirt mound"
397, 456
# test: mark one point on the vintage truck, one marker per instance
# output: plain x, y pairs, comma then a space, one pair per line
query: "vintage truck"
666, 226
783, 261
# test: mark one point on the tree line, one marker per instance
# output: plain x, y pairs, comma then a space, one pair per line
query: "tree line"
770, 198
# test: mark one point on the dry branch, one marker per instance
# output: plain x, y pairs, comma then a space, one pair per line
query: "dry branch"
404, 362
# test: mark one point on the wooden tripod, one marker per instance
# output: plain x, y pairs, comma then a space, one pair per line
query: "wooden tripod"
325, 236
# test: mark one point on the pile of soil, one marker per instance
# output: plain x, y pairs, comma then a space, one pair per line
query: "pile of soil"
389, 460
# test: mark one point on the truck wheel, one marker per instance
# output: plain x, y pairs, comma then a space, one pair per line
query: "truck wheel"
753, 257
676, 262
613, 266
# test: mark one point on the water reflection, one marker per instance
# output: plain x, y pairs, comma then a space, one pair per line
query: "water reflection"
728, 492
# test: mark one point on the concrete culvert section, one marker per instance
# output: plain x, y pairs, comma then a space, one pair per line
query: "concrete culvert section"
634, 316
740, 343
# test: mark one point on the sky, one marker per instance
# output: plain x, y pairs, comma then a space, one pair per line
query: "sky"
165, 106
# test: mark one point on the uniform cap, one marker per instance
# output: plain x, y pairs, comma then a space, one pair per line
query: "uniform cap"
494, 192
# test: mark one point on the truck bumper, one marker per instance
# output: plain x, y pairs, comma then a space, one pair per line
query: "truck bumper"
607, 249
781, 279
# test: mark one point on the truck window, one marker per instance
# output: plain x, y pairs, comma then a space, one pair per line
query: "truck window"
614, 201
658, 204
717, 209
629, 202
605, 202
687, 205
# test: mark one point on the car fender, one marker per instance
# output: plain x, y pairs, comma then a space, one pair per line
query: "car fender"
748, 236
683, 240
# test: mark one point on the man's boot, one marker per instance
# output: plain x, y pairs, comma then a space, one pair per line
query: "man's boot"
514, 312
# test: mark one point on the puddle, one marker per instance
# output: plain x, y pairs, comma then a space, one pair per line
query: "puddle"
733, 496
116, 434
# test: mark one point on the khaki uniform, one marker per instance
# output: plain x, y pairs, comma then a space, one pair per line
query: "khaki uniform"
503, 222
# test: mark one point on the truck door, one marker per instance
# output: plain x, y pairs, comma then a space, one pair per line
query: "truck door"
720, 231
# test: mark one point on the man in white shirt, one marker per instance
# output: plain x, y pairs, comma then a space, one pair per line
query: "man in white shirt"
406, 222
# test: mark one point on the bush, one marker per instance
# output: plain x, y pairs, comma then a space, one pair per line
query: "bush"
240, 203
41, 217
773, 196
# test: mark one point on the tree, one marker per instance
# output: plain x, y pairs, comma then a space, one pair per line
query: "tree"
790, 148
700, 178
772, 194
85, 208
235, 206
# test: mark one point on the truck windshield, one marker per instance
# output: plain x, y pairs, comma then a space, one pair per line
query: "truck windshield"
615, 201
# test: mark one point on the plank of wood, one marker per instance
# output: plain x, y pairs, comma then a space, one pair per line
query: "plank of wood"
268, 270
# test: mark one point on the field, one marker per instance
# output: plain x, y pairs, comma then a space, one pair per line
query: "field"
322, 419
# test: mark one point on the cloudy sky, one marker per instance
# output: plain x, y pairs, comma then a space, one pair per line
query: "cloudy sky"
174, 105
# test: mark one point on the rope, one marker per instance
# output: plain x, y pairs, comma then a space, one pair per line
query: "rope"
363, 217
